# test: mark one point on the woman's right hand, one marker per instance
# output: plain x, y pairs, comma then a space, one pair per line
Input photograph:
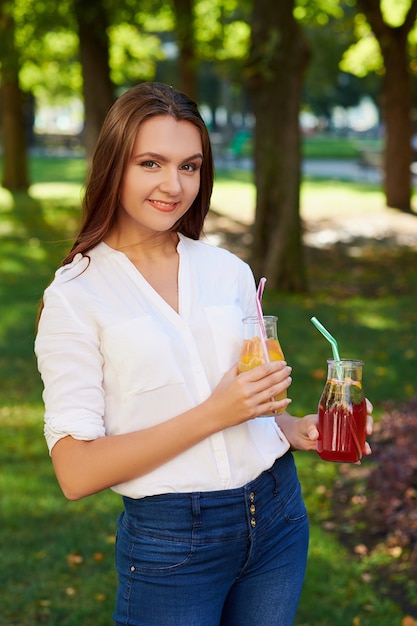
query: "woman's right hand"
244, 396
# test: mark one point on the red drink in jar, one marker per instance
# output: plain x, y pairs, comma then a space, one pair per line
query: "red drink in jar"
342, 413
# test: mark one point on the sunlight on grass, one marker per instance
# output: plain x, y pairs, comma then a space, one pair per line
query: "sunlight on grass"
376, 321
236, 199
71, 192
235, 196
6, 200
319, 199
18, 264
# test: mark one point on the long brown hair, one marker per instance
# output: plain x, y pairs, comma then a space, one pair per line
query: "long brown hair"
112, 154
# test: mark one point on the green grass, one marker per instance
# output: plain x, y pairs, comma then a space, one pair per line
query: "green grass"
57, 170
323, 146
57, 556
316, 146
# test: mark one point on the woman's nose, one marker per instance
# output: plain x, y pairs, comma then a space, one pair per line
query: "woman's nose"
171, 182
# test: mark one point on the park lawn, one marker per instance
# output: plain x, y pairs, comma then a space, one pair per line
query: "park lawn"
333, 146
57, 556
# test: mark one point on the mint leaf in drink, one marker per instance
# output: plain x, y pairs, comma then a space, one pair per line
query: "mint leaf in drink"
356, 394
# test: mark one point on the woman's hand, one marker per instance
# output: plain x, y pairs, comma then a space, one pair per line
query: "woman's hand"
369, 425
301, 432
241, 397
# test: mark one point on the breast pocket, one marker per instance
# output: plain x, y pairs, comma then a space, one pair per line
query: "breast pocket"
226, 328
141, 355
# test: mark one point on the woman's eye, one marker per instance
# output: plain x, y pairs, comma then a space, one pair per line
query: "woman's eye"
149, 164
190, 167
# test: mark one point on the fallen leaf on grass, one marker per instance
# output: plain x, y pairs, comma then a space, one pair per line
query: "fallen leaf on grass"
74, 559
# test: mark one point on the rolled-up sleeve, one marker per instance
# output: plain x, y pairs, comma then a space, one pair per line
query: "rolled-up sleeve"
71, 367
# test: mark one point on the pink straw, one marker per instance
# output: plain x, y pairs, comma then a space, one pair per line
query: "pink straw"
260, 314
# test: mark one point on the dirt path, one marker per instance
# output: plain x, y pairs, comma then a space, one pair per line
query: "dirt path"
382, 227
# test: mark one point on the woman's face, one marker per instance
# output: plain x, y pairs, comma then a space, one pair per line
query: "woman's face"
161, 179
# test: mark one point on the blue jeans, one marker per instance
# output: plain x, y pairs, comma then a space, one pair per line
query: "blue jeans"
222, 558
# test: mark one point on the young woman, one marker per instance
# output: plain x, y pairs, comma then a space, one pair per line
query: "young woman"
137, 345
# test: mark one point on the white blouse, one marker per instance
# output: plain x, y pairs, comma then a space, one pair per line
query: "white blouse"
115, 358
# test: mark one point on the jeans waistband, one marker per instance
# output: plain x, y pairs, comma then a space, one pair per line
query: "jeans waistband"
227, 513
278, 470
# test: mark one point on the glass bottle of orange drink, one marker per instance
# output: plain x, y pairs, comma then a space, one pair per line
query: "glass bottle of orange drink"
252, 353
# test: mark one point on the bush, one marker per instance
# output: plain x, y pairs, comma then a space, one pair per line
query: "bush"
393, 481
375, 506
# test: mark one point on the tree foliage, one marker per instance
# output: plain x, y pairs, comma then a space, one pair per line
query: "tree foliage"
48, 43
390, 24
325, 85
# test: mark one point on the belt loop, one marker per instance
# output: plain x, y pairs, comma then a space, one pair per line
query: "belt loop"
196, 509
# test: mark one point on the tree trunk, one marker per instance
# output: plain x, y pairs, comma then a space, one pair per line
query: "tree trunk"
15, 167
278, 58
396, 107
98, 89
185, 39
396, 101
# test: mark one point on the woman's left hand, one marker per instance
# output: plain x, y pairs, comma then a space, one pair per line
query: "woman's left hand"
302, 432
369, 425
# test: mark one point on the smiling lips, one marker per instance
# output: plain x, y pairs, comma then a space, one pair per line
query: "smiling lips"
166, 207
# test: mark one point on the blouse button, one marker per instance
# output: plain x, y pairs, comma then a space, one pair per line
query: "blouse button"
252, 509
253, 522
251, 496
